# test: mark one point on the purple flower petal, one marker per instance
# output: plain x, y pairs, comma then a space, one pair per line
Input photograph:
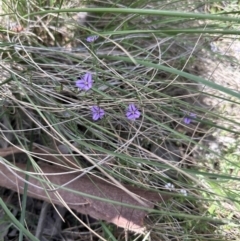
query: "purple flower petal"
85, 83
80, 84
91, 39
97, 112
137, 113
130, 116
188, 119
101, 113
132, 112
132, 107
95, 116
94, 108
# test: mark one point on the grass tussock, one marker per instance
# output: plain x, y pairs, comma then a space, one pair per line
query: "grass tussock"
171, 68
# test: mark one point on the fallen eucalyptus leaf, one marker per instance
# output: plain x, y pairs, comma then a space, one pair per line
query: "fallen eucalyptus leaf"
90, 195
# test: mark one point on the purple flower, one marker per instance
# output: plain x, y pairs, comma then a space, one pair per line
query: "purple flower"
132, 112
85, 83
97, 112
91, 39
187, 120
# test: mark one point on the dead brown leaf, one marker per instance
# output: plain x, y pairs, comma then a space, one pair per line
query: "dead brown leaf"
129, 218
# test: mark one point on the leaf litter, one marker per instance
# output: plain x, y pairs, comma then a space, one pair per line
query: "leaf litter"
84, 195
